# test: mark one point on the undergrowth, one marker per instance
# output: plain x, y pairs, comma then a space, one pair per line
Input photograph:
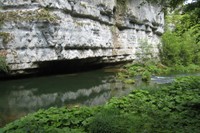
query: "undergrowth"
174, 108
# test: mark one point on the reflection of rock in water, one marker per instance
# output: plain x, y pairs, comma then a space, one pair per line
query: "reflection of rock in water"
26, 99
98, 100
19, 102
85, 92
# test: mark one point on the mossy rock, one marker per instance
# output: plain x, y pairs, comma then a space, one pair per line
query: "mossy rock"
122, 75
3, 64
129, 81
146, 76
6, 37
28, 16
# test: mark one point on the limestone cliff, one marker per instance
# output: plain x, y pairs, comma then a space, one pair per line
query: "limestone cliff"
37, 31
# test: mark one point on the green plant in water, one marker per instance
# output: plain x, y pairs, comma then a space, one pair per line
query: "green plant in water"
146, 76
129, 81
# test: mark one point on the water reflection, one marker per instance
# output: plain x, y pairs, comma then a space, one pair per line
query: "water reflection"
161, 80
19, 97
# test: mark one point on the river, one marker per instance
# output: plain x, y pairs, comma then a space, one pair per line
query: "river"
23, 96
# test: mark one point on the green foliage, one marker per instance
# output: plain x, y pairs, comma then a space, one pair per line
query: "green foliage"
111, 121
37, 15
169, 109
144, 67
181, 45
145, 52
147, 69
3, 64
53, 119
122, 6
174, 108
146, 76
129, 81
166, 4
180, 50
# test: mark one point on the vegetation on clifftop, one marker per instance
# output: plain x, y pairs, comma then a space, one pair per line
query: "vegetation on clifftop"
37, 15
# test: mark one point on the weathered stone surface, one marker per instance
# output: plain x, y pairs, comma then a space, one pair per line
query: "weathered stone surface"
50, 30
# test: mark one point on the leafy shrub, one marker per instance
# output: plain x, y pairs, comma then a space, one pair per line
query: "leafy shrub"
53, 119
178, 50
110, 121
181, 45
146, 76
145, 53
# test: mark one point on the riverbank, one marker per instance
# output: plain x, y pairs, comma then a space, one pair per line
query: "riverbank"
174, 108
148, 69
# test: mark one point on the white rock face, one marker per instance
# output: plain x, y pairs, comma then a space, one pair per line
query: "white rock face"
51, 30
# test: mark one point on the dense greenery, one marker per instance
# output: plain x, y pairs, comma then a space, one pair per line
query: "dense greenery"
181, 42
174, 108
147, 69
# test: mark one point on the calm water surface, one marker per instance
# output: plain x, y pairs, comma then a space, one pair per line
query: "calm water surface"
23, 96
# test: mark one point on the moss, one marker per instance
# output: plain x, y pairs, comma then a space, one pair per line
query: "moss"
3, 64
122, 6
6, 37
37, 15
113, 29
78, 23
146, 76
121, 11
129, 81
